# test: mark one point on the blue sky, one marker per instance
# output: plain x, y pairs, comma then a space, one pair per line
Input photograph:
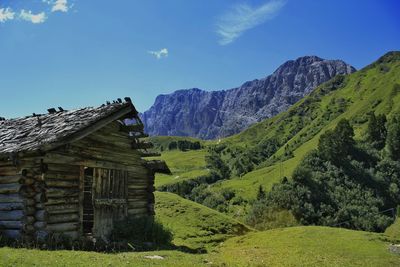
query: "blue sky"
75, 53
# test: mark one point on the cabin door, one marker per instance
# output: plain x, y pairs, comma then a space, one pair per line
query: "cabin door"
110, 188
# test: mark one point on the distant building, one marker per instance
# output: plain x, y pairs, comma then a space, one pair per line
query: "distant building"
74, 172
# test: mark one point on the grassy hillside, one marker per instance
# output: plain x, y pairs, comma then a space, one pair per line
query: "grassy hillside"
308, 246
183, 165
195, 226
375, 88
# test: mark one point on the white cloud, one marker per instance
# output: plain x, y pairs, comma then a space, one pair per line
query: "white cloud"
60, 5
243, 17
34, 18
6, 14
159, 54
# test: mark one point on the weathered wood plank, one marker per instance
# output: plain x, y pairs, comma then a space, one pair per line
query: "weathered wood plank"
62, 192
63, 208
142, 211
62, 183
41, 215
54, 201
11, 206
11, 224
13, 234
63, 218
63, 227
11, 179
13, 215
10, 188
132, 128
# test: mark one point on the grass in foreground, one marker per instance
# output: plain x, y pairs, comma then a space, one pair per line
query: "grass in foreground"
32, 257
297, 246
308, 246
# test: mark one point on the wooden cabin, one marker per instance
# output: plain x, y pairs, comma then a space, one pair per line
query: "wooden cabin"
74, 172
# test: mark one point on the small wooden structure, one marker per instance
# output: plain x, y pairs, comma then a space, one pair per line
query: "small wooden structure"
74, 172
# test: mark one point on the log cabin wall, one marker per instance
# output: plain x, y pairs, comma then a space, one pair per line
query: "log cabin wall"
62, 199
115, 163
21, 196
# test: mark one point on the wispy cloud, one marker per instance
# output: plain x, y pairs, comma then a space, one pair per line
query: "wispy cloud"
34, 18
6, 14
159, 54
243, 17
60, 5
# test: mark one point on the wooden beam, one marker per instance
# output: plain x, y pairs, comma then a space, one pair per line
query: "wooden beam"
131, 128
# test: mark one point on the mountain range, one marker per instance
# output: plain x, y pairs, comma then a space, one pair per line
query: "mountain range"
216, 114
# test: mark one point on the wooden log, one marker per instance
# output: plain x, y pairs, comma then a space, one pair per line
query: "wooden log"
40, 198
41, 235
56, 168
131, 128
11, 179
40, 206
137, 211
73, 235
63, 218
29, 229
136, 204
29, 210
28, 181
63, 208
8, 171
10, 188
61, 201
40, 225
11, 198
13, 234
11, 224
62, 183
41, 215
13, 215
28, 194
11, 206
63, 227
29, 219
61, 176
107, 146
61, 192
39, 186
137, 186
5, 162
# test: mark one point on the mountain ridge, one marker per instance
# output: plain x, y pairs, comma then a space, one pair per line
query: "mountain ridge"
220, 113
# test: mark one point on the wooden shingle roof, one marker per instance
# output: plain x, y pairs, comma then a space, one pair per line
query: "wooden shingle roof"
57, 128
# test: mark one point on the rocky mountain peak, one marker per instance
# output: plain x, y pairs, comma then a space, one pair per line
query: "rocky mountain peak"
209, 115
